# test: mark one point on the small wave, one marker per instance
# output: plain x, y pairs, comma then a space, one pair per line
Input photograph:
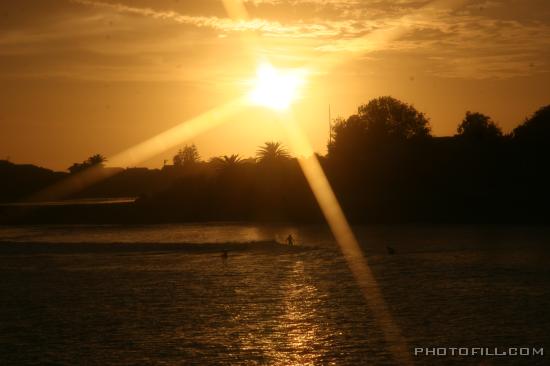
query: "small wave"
7, 247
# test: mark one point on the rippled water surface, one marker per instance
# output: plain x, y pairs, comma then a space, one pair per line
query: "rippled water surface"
266, 304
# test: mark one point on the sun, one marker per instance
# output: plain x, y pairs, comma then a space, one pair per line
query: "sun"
276, 88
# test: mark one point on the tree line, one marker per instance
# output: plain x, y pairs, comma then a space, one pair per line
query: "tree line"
385, 166
382, 162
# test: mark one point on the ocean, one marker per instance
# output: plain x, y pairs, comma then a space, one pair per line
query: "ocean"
164, 295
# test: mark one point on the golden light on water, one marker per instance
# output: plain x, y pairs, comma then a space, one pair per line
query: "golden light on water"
346, 240
278, 89
100, 73
275, 89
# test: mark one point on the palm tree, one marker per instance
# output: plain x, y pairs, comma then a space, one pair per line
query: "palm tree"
227, 162
96, 159
271, 152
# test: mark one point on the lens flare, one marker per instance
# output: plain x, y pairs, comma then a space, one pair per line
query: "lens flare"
142, 151
347, 241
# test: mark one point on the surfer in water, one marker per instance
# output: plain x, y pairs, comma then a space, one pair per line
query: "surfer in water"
224, 254
290, 240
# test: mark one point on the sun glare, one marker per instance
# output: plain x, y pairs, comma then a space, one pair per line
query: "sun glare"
276, 88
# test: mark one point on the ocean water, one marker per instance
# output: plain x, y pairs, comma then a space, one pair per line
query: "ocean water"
163, 295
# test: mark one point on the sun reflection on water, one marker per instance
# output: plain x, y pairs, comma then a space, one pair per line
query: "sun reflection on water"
299, 323
291, 331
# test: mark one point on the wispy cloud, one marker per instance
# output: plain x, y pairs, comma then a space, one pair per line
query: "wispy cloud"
227, 24
456, 38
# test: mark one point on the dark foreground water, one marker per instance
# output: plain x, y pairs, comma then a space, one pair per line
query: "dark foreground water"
71, 299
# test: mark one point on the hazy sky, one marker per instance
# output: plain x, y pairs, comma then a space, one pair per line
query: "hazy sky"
83, 76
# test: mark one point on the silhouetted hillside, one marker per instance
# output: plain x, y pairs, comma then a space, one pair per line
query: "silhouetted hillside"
382, 163
20, 180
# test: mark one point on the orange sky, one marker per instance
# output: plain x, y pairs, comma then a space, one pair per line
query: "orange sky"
83, 77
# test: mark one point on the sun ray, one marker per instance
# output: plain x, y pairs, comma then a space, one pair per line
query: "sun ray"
235, 9
142, 151
346, 239
310, 166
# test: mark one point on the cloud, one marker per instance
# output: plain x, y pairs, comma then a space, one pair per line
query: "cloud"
272, 28
455, 38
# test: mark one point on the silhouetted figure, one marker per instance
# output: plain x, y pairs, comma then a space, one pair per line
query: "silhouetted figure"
224, 254
290, 240
390, 250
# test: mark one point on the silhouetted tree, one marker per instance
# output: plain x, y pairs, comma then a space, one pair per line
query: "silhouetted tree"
390, 117
94, 160
227, 162
380, 164
189, 155
478, 127
535, 129
75, 168
272, 152
379, 121
531, 156
347, 134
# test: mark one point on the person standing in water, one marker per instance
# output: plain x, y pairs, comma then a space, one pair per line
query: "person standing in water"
290, 240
